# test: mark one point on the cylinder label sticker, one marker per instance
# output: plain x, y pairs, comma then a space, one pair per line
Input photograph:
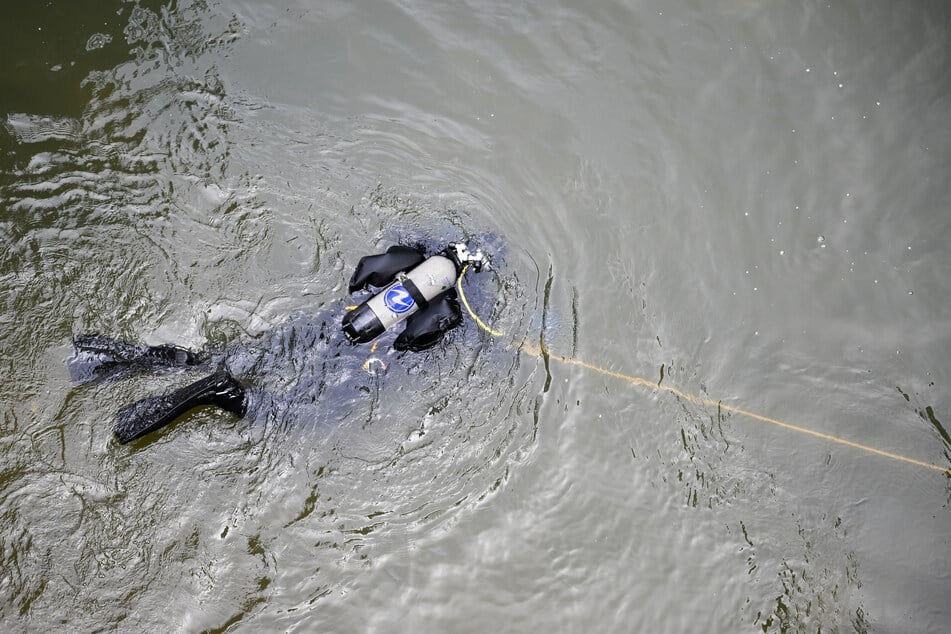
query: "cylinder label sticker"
398, 299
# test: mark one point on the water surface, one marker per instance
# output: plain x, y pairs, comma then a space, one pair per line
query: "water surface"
746, 201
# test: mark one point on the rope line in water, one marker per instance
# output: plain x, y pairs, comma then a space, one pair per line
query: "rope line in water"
693, 398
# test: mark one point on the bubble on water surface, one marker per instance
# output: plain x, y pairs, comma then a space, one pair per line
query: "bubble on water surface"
97, 41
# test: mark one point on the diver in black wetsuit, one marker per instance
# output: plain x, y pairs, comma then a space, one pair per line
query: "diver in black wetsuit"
410, 286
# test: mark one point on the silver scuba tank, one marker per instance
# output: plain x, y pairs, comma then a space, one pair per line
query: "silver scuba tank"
400, 299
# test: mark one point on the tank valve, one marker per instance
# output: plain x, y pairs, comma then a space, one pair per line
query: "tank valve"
464, 256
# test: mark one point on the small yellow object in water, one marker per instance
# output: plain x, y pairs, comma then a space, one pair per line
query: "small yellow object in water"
374, 366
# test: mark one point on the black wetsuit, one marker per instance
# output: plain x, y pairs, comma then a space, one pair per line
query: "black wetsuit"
295, 363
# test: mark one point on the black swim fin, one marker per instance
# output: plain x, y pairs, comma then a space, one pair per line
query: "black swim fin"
99, 357
149, 414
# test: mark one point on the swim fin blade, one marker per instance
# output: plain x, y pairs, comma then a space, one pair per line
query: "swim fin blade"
99, 357
152, 413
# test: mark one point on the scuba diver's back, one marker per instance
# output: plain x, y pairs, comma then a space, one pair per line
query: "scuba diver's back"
300, 358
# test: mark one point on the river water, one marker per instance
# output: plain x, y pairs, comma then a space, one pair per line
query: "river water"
744, 201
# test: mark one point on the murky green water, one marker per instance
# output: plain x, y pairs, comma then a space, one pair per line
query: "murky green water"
747, 201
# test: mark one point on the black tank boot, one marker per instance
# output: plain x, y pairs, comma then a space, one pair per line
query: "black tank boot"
147, 415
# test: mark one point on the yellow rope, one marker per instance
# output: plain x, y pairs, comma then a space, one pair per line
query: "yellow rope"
465, 302
635, 380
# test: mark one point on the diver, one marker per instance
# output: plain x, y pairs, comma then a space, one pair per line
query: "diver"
404, 286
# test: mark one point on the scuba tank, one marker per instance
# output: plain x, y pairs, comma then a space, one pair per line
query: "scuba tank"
425, 295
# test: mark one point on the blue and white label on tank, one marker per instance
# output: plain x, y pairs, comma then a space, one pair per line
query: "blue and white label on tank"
398, 299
